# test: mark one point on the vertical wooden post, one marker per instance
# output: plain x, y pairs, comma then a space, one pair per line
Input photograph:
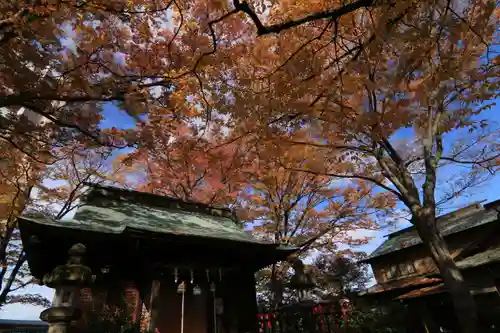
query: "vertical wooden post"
154, 305
428, 323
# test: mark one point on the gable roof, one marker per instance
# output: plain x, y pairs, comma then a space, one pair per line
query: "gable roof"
463, 219
113, 210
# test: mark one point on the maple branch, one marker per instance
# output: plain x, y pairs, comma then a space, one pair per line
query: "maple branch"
7, 289
359, 50
11, 218
66, 208
300, 48
21, 286
404, 191
402, 180
299, 223
407, 189
473, 162
343, 176
333, 14
22, 150
211, 25
470, 181
127, 11
339, 147
307, 244
176, 32
23, 100
469, 26
392, 152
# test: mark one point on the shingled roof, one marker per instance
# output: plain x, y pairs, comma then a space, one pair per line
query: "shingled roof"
112, 210
466, 218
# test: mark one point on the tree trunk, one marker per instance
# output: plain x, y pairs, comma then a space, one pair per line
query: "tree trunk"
463, 301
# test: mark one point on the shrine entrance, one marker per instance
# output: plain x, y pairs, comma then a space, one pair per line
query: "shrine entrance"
190, 265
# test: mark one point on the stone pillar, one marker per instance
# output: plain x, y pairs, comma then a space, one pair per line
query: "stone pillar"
67, 281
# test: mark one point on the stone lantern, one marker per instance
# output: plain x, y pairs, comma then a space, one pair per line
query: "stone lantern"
66, 280
301, 281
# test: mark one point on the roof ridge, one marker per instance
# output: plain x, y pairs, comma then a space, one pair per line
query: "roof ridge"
464, 211
155, 200
450, 216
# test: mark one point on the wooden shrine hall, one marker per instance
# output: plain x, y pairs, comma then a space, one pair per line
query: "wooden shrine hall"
192, 266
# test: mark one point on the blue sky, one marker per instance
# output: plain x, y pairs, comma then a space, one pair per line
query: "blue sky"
115, 117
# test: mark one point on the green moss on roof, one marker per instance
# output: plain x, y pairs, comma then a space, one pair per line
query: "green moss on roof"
114, 212
409, 237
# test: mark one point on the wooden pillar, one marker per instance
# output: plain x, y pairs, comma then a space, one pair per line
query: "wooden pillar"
154, 305
428, 323
248, 303
240, 301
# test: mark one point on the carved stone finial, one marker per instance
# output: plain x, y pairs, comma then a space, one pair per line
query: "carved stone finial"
76, 253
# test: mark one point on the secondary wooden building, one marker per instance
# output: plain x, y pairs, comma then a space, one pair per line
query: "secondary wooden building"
405, 271
22, 326
191, 265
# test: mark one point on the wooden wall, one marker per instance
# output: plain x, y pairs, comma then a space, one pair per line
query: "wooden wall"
237, 292
101, 302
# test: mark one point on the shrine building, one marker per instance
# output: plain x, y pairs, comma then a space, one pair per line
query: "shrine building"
192, 266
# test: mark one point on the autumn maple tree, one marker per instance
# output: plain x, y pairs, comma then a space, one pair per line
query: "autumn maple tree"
65, 59
341, 274
33, 188
67, 181
313, 212
291, 208
186, 167
429, 70
342, 78
18, 177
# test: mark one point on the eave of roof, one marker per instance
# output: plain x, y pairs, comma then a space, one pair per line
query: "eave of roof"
426, 291
400, 284
441, 288
489, 256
